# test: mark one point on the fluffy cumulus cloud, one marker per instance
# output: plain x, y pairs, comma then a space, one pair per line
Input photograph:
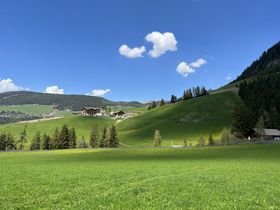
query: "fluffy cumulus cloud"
99, 92
54, 90
185, 69
132, 52
162, 42
7, 85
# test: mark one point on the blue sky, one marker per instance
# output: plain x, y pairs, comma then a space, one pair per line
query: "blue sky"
75, 44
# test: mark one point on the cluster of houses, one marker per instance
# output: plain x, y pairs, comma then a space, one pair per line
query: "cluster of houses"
96, 111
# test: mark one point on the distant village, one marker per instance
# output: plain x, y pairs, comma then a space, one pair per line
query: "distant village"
99, 112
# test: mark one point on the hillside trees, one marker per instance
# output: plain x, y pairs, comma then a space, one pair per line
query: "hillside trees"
113, 137
22, 139
46, 142
36, 142
157, 139
7, 142
94, 136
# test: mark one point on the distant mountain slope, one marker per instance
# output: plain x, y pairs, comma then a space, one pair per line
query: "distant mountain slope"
268, 63
74, 102
188, 120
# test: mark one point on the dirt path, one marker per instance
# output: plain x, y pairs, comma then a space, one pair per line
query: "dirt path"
39, 120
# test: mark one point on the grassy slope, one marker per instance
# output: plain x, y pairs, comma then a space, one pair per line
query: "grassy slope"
32, 109
80, 123
233, 177
213, 112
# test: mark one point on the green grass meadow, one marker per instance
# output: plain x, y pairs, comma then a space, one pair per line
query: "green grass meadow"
232, 177
184, 120
82, 125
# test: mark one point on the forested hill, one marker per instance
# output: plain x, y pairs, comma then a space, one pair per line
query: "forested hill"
268, 63
73, 102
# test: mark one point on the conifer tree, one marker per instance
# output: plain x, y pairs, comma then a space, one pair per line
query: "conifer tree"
94, 136
46, 142
64, 137
72, 138
113, 137
55, 140
22, 139
103, 141
173, 99
83, 143
162, 102
36, 142
211, 140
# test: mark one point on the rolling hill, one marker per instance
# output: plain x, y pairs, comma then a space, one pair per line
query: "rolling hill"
188, 120
73, 102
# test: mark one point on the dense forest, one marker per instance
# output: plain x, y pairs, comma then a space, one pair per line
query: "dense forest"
268, 63
261, 97
73, 102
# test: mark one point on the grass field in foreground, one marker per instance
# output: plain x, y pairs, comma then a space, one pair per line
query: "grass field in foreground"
233, 177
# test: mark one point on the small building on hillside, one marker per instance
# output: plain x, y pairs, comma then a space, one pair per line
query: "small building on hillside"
270, 134
92, 111
119, 115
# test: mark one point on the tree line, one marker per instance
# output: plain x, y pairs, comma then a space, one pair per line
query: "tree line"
64, 138
261, 97
187, 94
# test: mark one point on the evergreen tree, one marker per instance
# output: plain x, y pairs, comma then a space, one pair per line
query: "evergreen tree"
162, 102
55, 140
72, 138
64, 137
94, 136
22, 139
154, 105
157, 139
211, 140
46, 142
7, 142
173, 99
113, 137
104, 142
36, 142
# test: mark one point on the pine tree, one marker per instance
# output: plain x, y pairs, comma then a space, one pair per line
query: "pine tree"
173, 99
46, 142
72, 138
162, 102
22, 138
157, 139
64, 137
113, 138
94, 137
36, 142
211, 140
103, 141
154, 105
7, 142
55, 140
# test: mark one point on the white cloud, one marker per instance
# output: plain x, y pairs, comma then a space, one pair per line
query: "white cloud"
132, 52
7, 85
99, 93
198, 63
54, 90
161, 43
186, 69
